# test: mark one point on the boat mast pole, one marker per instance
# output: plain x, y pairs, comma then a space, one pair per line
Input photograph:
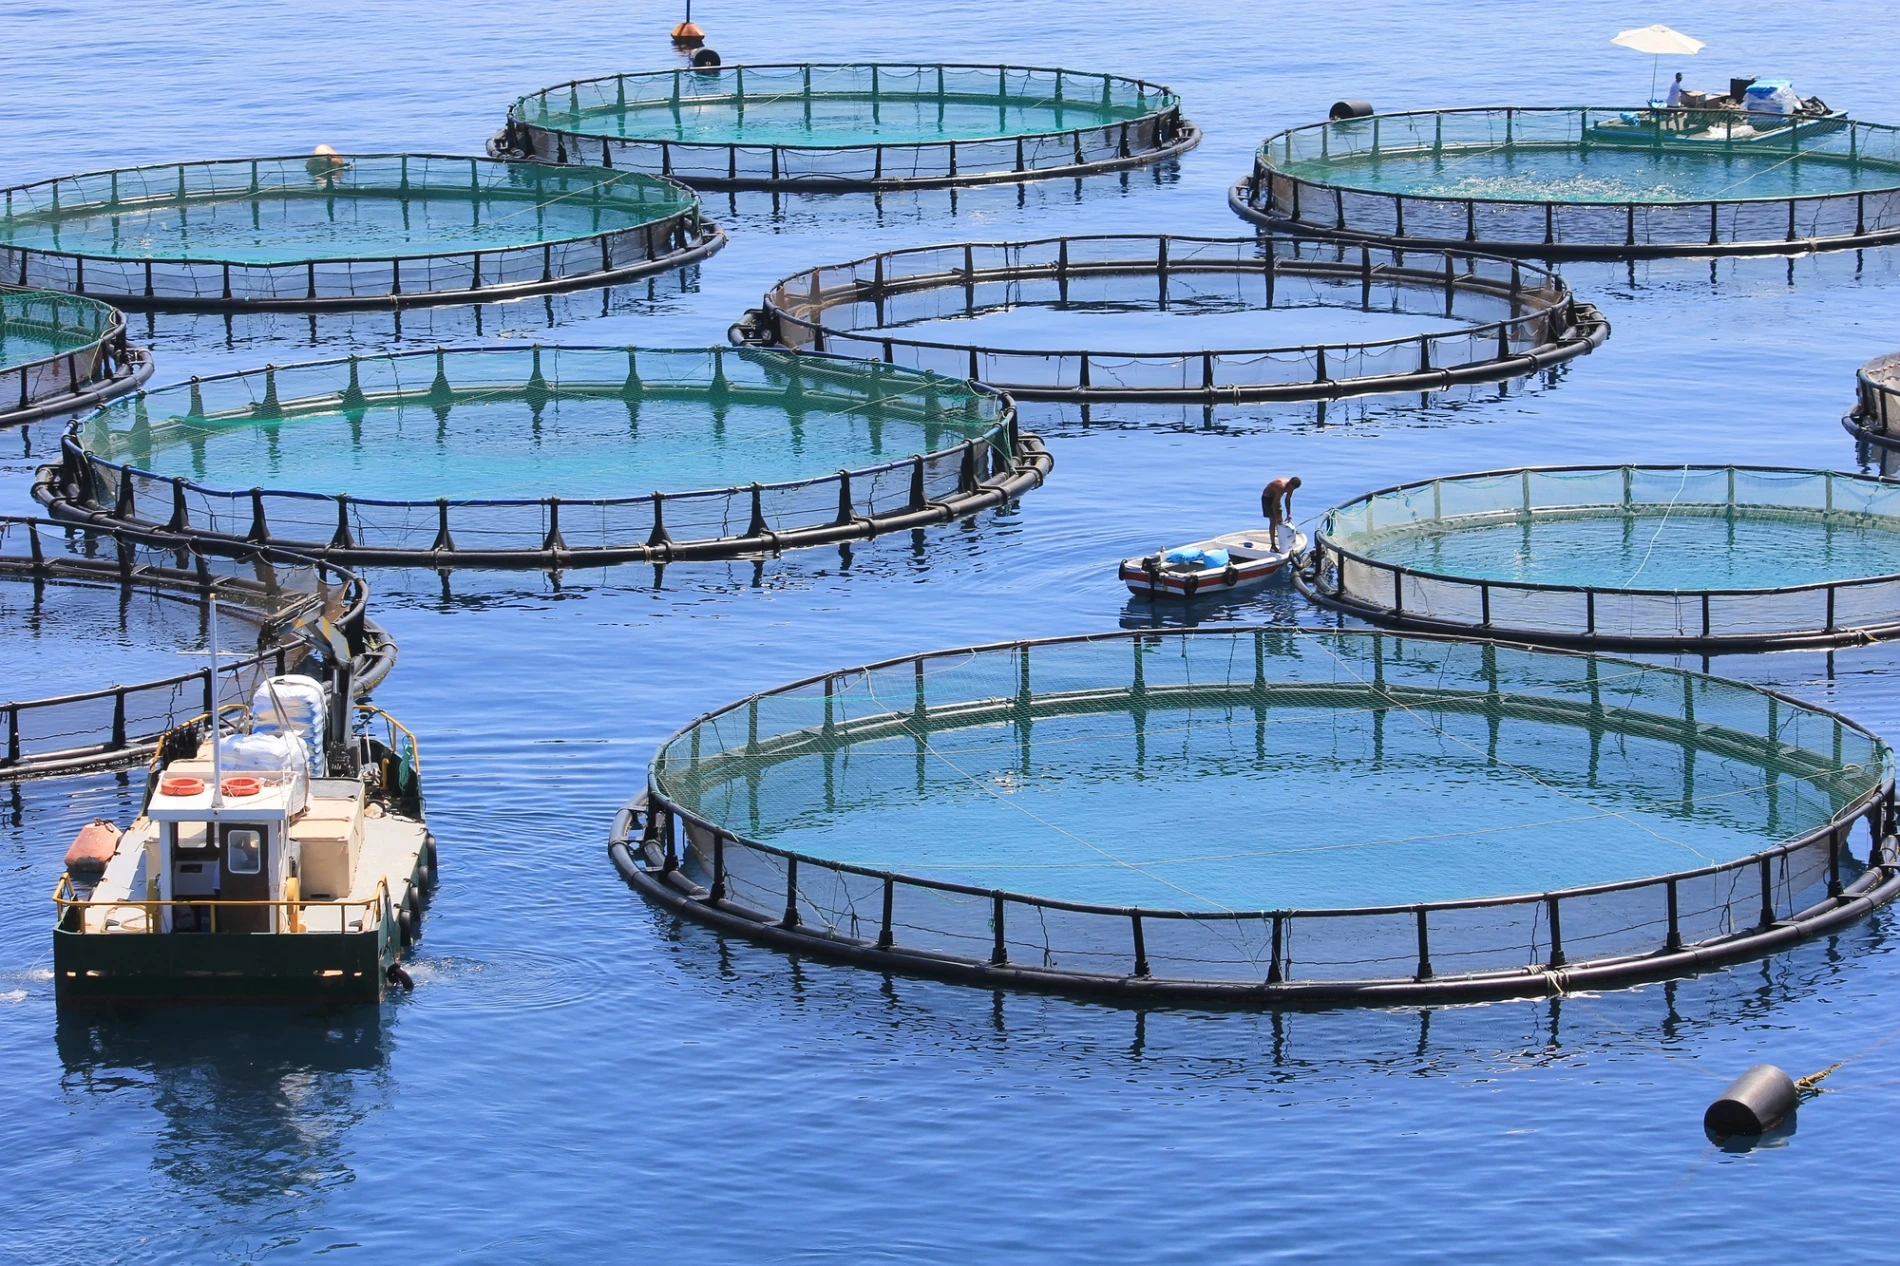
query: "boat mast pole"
217, 764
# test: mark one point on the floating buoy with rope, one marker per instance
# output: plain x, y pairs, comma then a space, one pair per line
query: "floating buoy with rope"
1759, 1100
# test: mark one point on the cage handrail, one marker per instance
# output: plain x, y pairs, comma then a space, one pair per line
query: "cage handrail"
689, 212
1322, 541
1859, 806
1510, 324
248, 592
1170, 102
1262, 155
74, 447
1867, 801
349, 594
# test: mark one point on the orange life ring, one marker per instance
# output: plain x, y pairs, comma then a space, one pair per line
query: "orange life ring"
242, 786
181, 786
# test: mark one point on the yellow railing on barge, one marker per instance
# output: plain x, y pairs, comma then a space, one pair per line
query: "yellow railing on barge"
295, 919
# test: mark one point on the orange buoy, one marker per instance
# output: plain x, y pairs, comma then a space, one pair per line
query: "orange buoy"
688, 35
93, 847
181, 786
242, 786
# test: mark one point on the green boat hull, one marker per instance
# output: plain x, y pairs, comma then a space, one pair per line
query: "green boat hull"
337, 967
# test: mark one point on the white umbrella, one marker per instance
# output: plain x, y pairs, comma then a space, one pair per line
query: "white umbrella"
1657, 40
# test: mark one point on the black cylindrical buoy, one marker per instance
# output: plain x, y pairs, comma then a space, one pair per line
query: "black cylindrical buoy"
706, 57
1755, 1103
1351, 110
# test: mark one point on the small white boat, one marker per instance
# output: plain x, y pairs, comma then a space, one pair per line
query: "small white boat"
1237, 560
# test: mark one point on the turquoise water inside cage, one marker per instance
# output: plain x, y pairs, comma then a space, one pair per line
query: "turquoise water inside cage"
38, 324
22, 343
1303, 807
1267, 772
535, 422
783, 121
1651, 548
505, 447
1597, 173
842, 105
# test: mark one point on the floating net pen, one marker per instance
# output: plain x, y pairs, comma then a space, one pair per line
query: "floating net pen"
1875, 418
1706, 558
1480, 318
344, 231
59, 353
855, 126
1268, 816
1582, 182
546, 457
58, 579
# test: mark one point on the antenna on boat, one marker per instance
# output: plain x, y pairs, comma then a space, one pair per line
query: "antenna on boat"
217, 763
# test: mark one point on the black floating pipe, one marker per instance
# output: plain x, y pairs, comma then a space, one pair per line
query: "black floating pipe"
1755, 1103
1350, 108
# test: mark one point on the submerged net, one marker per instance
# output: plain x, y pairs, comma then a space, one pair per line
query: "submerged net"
318, 230
536, 449
1583, 180
36, 325
1228, 784
1671, 554
884, 123
61, 351
1470, 318
107, 636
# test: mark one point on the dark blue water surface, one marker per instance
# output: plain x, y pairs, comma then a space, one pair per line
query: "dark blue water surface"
577, 1077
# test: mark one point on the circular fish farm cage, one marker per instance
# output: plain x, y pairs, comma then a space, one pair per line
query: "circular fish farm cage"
1468, 318
109, 602
1270, 816
344, 231
1875, 418
1582, 182
850, 126
528, 456
1707, 558
60, 352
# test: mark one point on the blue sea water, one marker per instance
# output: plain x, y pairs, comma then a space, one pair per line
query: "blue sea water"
577, 1076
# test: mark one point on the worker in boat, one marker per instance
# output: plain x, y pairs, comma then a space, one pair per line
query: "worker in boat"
1675, 93
1276, 503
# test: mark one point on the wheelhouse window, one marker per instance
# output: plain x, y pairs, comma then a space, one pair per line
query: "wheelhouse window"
190, 835
243, 851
